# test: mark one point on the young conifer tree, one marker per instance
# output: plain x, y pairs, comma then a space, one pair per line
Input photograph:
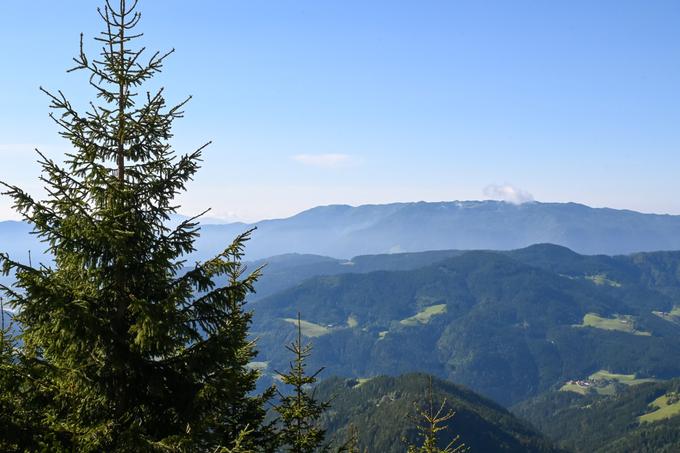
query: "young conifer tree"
351, 444
430, 423
136, 352
300, 411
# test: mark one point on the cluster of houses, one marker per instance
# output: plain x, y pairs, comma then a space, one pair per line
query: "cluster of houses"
582, 383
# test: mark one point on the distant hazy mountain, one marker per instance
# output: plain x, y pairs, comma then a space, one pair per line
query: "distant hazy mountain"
343, 231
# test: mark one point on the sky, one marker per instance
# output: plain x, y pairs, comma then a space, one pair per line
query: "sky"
352, 101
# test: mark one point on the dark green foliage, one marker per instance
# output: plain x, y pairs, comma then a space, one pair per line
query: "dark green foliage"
351, 444
285, 271
382, 408
123, 352
15, 419
11, 425
430, 422
508, 327
299, 411
605, 423
23, 426
663, 437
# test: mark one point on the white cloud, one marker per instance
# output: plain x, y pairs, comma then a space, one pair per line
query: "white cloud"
509, 193
323, 160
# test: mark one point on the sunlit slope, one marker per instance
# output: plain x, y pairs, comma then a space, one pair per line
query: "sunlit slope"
639, 417
492, 321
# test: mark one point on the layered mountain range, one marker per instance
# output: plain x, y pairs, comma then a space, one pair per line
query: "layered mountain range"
563, 312
343, 231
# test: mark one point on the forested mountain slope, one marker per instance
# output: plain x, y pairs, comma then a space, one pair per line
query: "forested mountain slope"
641, 418
285, 271
509, 325
382, 410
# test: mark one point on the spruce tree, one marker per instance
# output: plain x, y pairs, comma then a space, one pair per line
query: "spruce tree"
133, 350
429, 423
300, 411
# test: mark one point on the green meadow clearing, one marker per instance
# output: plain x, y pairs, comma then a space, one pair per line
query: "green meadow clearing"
424, 316
601, 280
604, 382
620, 323
667, 406
309, 329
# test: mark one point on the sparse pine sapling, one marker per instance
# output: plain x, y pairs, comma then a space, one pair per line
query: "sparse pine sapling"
351, 444
429, 423
300, 412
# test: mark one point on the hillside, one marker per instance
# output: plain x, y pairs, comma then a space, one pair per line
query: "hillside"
509, 325
285, 271
642, 418
344, 231
381, 408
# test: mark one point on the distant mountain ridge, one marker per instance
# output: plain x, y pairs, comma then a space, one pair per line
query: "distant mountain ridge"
344, 231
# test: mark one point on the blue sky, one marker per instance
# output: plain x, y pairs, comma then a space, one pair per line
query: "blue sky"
320, 102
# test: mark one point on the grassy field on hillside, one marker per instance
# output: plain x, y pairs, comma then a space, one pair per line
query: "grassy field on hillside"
582, 390
309, 329
601, 279
628, 379
425, 315
603, 383
620, 323
671, 316
361, 381
667, 406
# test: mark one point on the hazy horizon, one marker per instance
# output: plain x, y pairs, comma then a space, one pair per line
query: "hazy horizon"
209, 218
314, 103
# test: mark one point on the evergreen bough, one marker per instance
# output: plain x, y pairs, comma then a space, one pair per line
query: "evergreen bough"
300, 411
430, 422
130, 348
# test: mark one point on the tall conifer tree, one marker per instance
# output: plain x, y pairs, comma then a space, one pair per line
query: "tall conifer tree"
135, 353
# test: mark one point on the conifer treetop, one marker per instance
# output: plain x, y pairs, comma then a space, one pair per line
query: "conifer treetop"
137, 347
